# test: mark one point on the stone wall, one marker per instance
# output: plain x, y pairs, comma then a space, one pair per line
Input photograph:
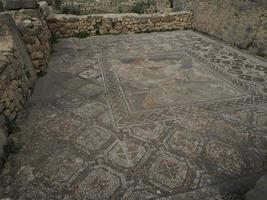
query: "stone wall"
17, 74
82, 26
36, 35
242, 23
119, 6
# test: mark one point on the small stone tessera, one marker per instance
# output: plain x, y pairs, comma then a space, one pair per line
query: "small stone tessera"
133, 99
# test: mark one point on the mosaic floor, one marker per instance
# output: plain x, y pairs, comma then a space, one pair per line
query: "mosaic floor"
171, 115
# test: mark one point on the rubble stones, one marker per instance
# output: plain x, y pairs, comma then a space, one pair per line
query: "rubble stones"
70, 25
17, 73
35, 34
122, 6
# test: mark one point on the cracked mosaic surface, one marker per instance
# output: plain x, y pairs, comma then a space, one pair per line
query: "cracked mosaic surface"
172, 115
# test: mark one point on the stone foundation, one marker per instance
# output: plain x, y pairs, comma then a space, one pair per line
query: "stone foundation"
17, 74
82, 26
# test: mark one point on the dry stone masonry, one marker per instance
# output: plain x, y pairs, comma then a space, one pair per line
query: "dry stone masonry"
17, 74
242, 23
117, 6
35, 34
24, 52
70, 25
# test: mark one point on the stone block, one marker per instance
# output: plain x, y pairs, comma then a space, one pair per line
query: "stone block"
19, 4
49, 2
155, 18
43, 5
168, 19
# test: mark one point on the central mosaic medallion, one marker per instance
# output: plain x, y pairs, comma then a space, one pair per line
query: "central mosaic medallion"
168, 80
144, 88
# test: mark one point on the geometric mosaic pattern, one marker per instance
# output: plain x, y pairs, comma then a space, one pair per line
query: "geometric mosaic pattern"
224, 157
169, 171
92, 138
98, 184
169, 84
63, 166
126, 154
185, 143
172, 115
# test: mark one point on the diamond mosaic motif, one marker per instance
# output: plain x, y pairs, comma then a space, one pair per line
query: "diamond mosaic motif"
169, 171
63, 166
126, 153
93, 138
90, 74
185, 142
90, 110
63, 126
98, 184
148, 132
224, 157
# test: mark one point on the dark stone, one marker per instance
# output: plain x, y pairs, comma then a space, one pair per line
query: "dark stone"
260, 190
1, 6
19, 4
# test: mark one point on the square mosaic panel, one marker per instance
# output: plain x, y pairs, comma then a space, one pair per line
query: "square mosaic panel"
63, 166
162, 86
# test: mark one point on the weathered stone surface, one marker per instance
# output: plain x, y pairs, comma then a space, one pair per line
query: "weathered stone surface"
71, 25
173, 115
19, 4
17, 74
241, 23
260, 190
3, 142
121, 6
49, 2
36, 35
42, 3
45, 9
1, 6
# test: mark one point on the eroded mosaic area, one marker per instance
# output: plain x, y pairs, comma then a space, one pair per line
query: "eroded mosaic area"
156, 81
171, 115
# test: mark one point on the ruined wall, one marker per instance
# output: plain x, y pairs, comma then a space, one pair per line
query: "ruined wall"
24, 52
242, 23
82, 26
119, 6
36, 35
17, 74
